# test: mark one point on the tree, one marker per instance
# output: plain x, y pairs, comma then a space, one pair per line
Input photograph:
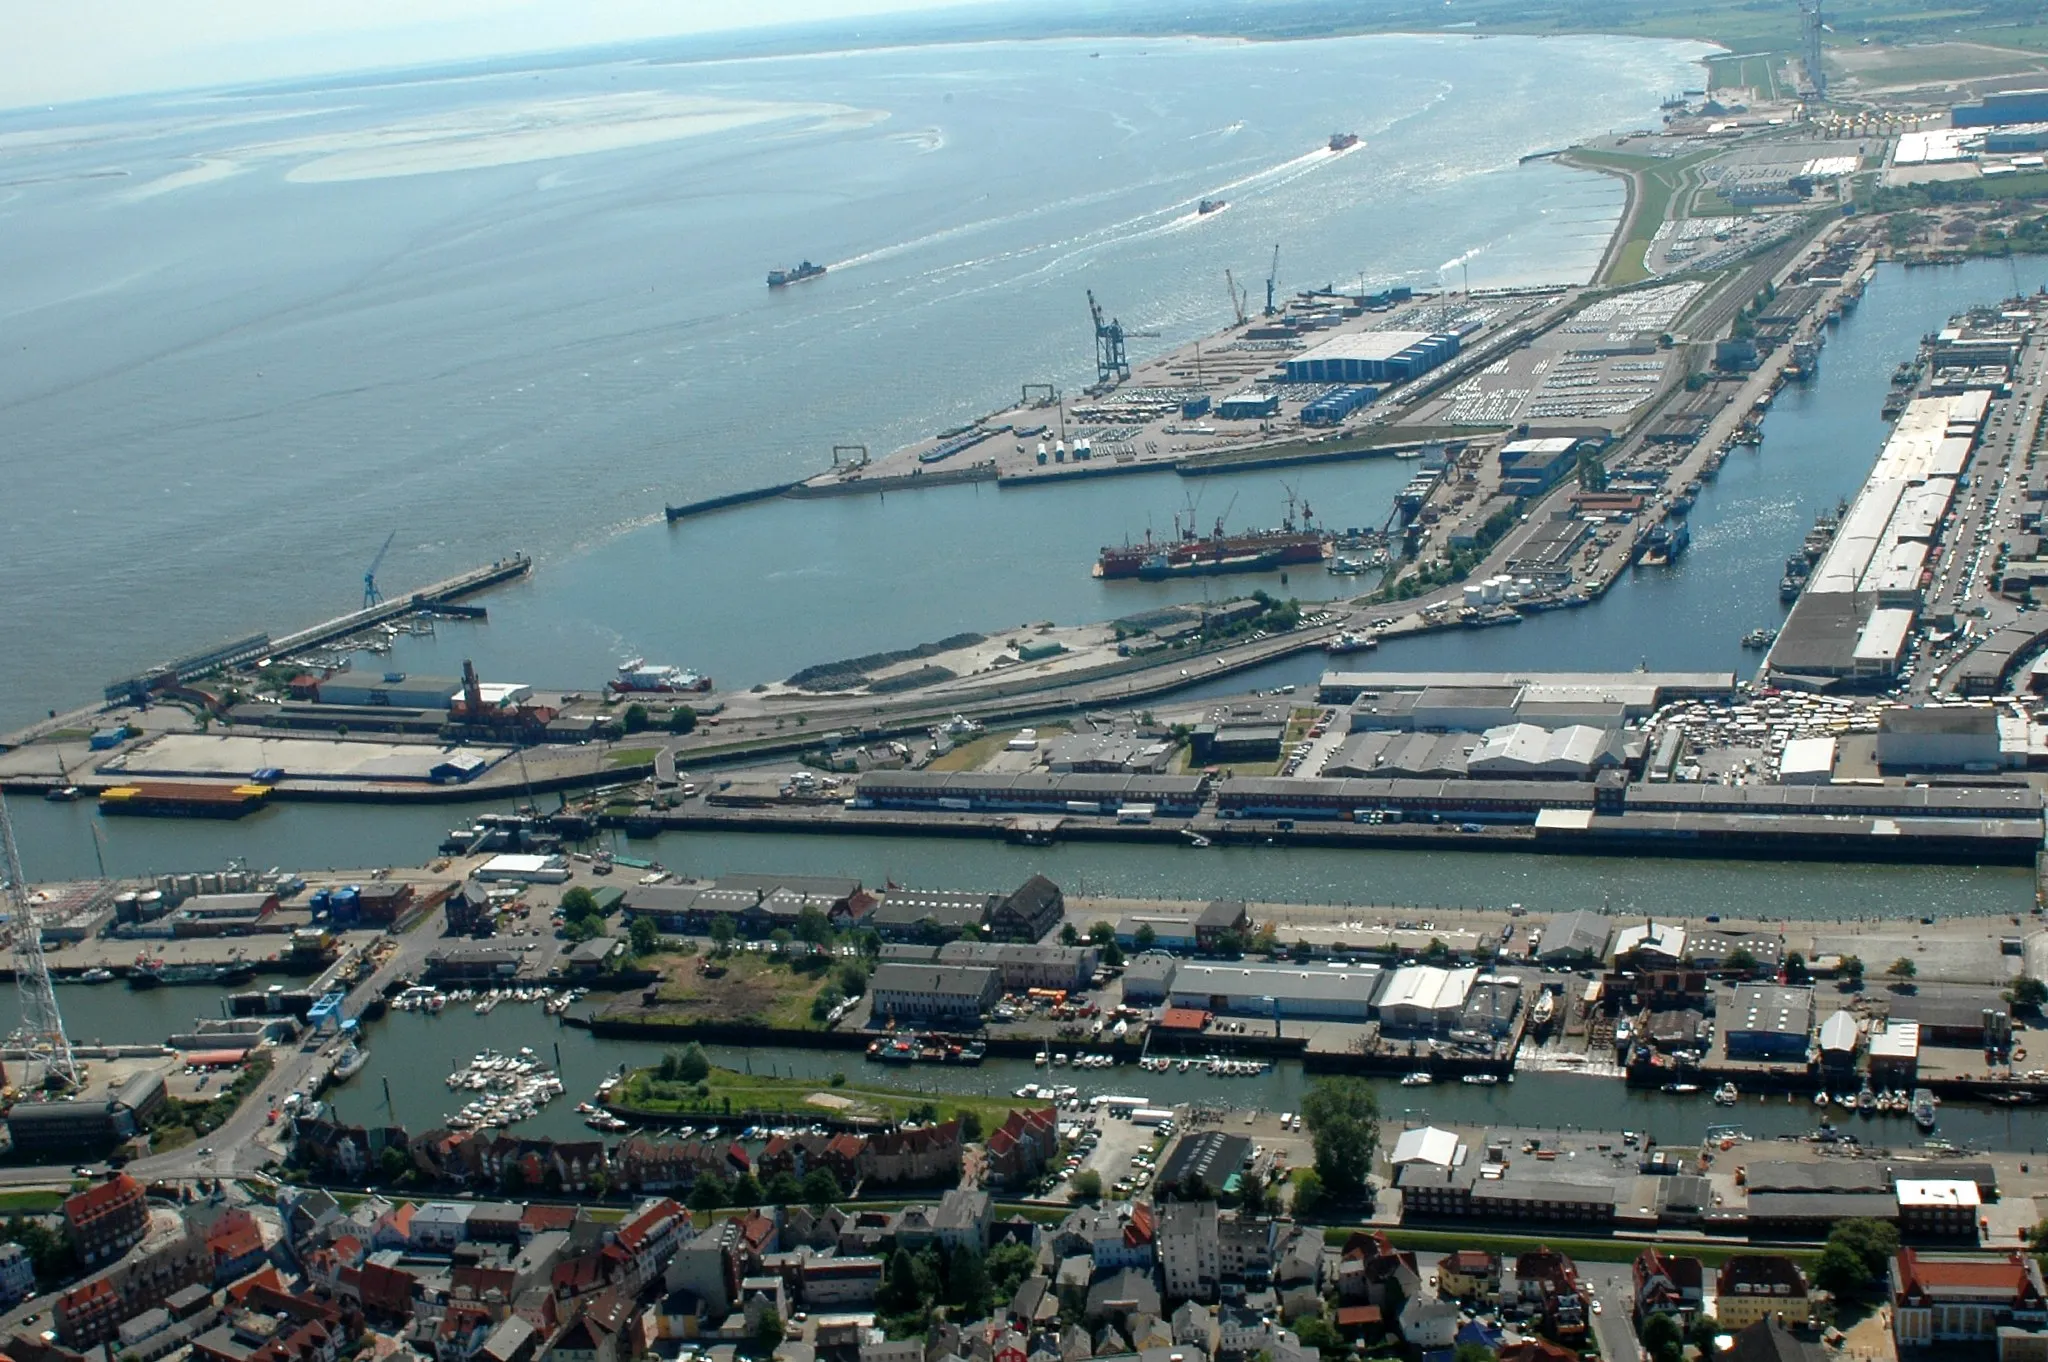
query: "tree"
709, 1194
1102, 934
1316, 1331
1662, 1338
2029, 992
1795, 968
394, 1165
898, 1294
1701, 1334
682, 720
1852, 969
579, 903
1840, 1270
1875, 1242
768, 1333
1086, 1185
852, 977
1739, 961
1308, 1191
1467, 1352
1145, 937
1009, 1263
1902, 968
970, 1124
635, 718
693, 1065
813, 926
1112, 954
1344, 1122
1436, 952
1068, 936
48, 1251
821, 1187
784, 1190
722, 933
967, 1282
746, 1191
644, 936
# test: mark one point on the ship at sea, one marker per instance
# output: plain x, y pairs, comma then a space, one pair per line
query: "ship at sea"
1343, 141
795, 274
1208, 206
1192, 554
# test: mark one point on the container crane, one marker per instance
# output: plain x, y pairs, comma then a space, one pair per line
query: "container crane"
1273, 281
1236, 296
371, 595
41, 1035
1110, 359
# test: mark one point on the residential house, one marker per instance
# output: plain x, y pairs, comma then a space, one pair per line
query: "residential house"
1244, 1248
1190, 1254
1428, 1323
106, 1219
1769, 1340
1549, 1281
1468, 1274
835, 1283
1536, 1350
1021, 1147
235, 1243
709, 1266
93, 1311
393, 1229
1756, 1286
912, 1154
439, 1226
1371, 1271
1195, 1326
17, 1275
1943, 1299
936, 995
643, 1242
1242, 1331
1667, 1284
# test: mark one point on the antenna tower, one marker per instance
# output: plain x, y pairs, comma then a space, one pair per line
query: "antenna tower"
42, 1026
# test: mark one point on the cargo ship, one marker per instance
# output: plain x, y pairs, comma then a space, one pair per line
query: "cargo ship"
1665, 543
1189, 553
183, 799
1343, 141
151, 973
636, 677
795, 274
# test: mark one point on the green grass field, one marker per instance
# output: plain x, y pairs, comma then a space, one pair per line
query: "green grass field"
30, 1202
643, 1091
1657, 181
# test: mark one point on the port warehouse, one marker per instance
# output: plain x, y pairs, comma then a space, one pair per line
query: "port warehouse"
1854, 619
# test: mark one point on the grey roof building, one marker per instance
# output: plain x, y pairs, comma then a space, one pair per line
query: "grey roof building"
953, 994
1579, 936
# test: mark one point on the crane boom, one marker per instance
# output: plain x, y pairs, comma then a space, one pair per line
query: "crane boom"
371, 595
1273, 280
42, 1025
1236, 298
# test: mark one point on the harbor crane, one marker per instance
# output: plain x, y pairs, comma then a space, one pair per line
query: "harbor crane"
1273, 281
371, 595
1110, 359
1236, 296
41, 1036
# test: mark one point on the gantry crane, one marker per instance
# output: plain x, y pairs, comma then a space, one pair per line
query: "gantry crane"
371, 595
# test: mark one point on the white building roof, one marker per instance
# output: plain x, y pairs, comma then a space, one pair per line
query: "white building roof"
1666, 937
1898, 1040
1954, 1193
1428, 988
1838, 1033
1426, 1144
1363, 345
1806, 757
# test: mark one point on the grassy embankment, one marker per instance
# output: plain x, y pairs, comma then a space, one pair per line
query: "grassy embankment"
726, 1091
1654, 184
972, 756
746, 987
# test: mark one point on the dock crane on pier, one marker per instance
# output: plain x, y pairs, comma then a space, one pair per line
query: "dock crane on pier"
371, 595
1272, 281
1236, 296
1110, 359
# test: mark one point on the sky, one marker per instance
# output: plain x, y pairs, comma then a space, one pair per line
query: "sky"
57, 51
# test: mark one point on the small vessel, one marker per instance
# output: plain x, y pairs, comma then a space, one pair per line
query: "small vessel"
1866, 1102
1760, 638
1343, 141
1820, 1099
98, 974
1479, 1080
795, 274
1923, 1108
1545, 1009
1666, 542
1727, 1095
351, 1063
1681, 1089
636, 677
1195, 839
1208, 206
62, 794
1349, 642
1418, 1079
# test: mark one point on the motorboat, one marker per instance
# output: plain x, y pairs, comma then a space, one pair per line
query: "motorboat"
1923, 1108
1418, 1079
1727, 1095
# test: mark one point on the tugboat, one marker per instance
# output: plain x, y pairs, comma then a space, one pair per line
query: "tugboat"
1208, 206
1349, 642
795, 274
1343, 141
1760, 638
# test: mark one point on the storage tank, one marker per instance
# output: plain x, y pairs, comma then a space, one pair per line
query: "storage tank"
185, 888
124, 906
167, 883
235, 880
1475, 595
1041, 451
211, 883
150, 906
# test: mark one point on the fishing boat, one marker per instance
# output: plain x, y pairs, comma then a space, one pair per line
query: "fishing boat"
98, 974
1545, 1009
1343, 141
1866, 1102
794, 274
1208, 206
1418, 1079
1923, 1108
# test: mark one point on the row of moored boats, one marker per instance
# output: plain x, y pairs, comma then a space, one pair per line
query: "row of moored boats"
510, 1088
1920, 1103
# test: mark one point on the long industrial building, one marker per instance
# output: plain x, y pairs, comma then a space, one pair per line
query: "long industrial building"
1855, 618
1409, 1000
1373, 357
1030, 792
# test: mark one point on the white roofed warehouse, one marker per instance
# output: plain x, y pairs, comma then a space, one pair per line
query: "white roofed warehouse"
1321, 992
1424, 998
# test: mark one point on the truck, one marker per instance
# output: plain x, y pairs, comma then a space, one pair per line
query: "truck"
1151, 1116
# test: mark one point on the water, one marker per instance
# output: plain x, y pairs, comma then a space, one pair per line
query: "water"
251, 333
413, 1052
